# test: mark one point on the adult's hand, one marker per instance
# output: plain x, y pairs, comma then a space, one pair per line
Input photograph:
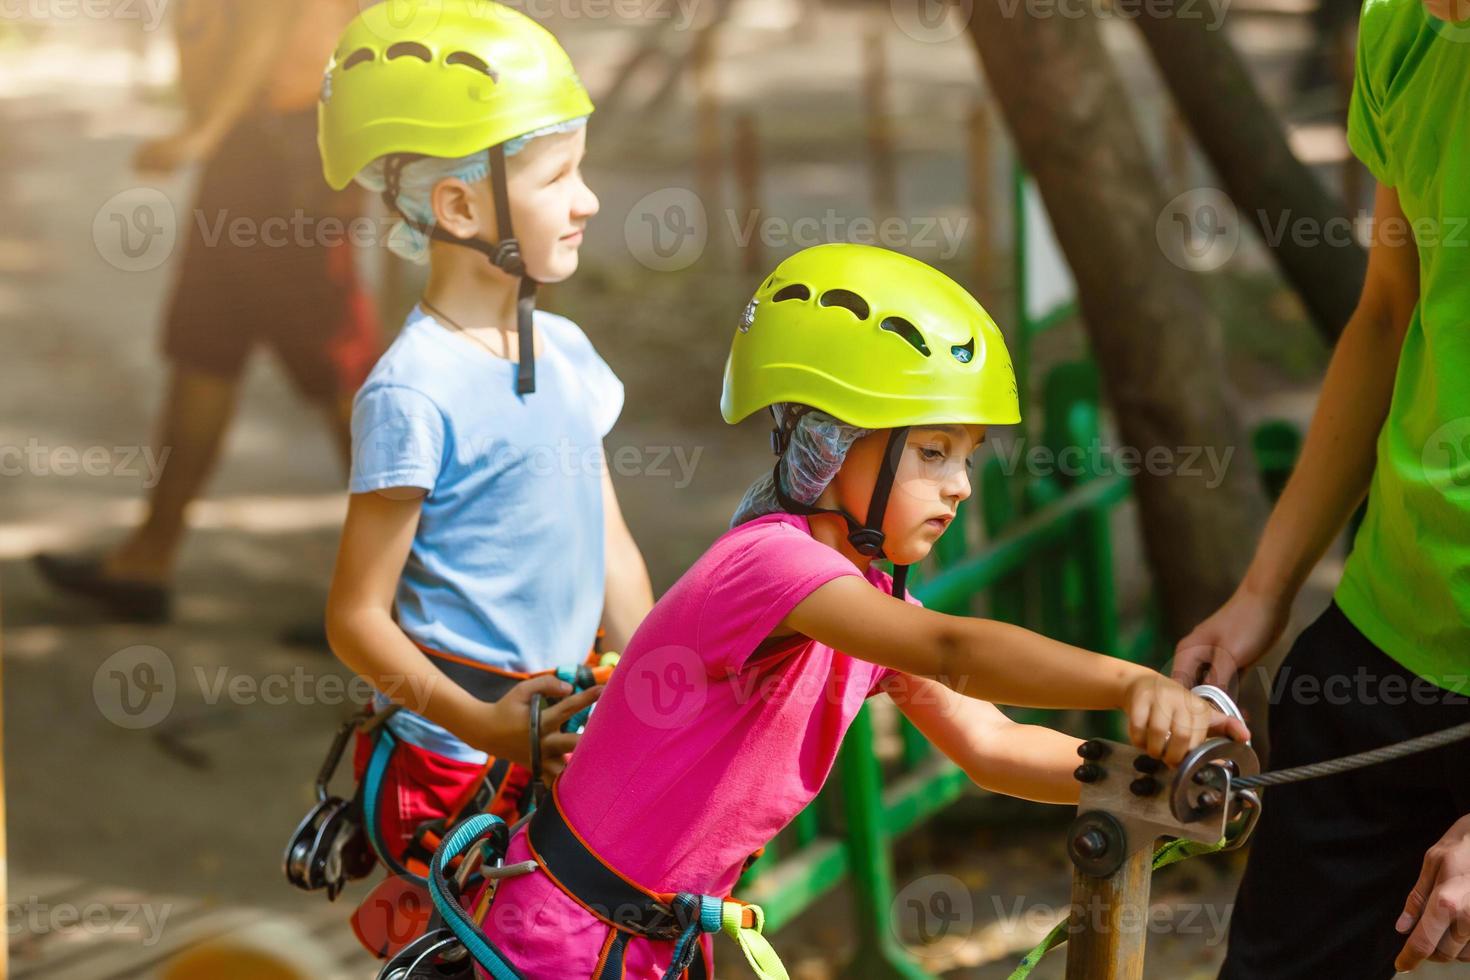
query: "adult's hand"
1438, 909
1237, 635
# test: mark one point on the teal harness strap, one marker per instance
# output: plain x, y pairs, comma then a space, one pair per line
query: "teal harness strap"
1170, 853
372, 792
467, 834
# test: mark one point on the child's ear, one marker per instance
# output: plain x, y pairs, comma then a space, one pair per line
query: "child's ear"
455, 209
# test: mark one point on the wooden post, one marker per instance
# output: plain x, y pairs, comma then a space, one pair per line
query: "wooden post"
1109, 921
880, 135
748, 189
981, 203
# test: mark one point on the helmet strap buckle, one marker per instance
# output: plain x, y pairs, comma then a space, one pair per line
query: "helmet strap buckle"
867, 541
507, 257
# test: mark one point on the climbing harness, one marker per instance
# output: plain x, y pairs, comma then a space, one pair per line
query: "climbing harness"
330, 846
326, 850
477, 848
341, 840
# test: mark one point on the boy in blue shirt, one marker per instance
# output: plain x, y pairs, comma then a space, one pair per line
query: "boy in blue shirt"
483, 544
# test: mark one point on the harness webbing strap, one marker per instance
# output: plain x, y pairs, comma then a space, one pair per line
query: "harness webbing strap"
455, 917
610, 964
588, 880
372, 792
582, 874
483, 684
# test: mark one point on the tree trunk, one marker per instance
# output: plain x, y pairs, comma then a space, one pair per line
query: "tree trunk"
1274, 191
1157, 343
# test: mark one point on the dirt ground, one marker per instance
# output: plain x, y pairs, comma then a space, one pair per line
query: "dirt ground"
131, 837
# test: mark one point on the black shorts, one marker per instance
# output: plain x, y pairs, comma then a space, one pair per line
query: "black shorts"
1333, 859
267, 261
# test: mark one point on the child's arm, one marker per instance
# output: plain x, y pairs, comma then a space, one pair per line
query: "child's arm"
1007, 664
1028, 761
628, 595
375, 544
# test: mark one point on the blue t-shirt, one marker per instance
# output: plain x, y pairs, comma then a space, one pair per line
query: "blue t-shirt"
506, 567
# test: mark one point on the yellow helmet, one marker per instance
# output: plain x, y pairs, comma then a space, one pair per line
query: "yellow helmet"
440, 78
872, 337
447, 78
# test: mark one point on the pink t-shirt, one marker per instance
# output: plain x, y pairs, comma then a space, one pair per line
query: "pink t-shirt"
698, 752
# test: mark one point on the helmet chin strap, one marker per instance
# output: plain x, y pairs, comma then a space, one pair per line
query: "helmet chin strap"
866, 537
504, 255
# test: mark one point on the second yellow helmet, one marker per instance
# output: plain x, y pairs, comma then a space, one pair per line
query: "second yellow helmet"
872, 337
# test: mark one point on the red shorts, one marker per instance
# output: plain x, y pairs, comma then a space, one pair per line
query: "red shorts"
267, 263
418, 786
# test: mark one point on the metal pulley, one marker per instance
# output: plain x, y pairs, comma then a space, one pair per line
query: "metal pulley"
1129, 799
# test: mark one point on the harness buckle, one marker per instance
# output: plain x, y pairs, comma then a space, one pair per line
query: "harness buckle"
666, 926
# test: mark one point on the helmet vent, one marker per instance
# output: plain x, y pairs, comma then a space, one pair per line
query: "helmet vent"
794, 291
471, 61
410, 49
906, 330
358, 57
848, 300
964, 353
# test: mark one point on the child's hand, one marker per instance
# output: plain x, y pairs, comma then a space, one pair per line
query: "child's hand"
1167, 721
503, 729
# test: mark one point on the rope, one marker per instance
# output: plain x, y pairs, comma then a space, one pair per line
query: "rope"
1372, 757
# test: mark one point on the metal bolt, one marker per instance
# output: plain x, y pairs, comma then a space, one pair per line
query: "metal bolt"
1092, 844
1209, 799
1144, 786
1092, 750
1147, 764
1088, 773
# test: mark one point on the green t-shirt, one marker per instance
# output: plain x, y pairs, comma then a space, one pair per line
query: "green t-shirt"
1407, 582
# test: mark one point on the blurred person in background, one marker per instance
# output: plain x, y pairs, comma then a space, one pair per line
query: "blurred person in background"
251, 71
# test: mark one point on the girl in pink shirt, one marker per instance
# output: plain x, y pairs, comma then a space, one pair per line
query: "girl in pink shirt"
725, 716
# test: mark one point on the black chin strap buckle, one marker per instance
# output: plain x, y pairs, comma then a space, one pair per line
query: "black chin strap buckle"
867, 542
507, 258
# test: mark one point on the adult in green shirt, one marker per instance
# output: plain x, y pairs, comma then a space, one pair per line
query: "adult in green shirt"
1356, 875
